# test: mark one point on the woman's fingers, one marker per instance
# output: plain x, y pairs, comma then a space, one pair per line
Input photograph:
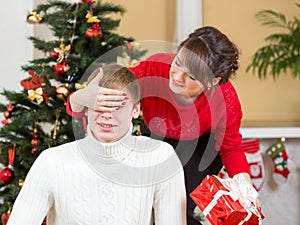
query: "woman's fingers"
110, 99
111, 92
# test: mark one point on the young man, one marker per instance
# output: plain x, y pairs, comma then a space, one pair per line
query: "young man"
110, 177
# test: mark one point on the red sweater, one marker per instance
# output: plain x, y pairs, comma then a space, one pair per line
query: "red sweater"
217, 110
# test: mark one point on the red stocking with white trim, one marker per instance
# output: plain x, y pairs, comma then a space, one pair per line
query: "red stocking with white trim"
255, 161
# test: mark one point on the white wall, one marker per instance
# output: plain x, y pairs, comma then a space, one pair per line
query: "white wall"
16, 49
281, 203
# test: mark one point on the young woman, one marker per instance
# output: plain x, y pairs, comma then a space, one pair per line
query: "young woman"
188, 101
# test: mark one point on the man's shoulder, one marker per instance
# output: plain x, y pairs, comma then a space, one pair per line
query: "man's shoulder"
61, 151
154, 148
145, 142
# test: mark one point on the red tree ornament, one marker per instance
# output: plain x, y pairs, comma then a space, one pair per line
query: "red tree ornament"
5, 217
54, 54
7, 113
33, 82
34, 141
61, 68
94, 32
8, 174
44, 221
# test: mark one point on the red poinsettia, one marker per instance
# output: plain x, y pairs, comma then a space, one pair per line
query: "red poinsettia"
34, 83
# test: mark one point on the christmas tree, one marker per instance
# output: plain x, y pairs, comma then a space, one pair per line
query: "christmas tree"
35, 118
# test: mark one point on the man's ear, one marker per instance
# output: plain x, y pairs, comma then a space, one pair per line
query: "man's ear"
136, 111
86, 111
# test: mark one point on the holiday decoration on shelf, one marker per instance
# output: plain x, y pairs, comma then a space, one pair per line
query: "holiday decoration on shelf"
7, 113
35, 118
230, 201
33, 17
7, 174
281, 161
255, 161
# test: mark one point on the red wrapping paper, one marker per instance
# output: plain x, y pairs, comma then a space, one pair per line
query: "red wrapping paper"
220, 206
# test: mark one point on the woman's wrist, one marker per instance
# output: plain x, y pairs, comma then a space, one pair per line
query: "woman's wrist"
75, 106
246, 177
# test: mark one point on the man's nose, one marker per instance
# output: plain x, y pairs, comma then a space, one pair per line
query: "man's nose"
106, 115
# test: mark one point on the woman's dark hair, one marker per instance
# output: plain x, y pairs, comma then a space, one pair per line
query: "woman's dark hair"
213, 55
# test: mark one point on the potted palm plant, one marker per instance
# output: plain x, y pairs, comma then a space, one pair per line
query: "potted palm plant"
282, 51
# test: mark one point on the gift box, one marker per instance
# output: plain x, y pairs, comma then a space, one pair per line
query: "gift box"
228, 201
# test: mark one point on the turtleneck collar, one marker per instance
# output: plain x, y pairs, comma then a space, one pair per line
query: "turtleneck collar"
130, 161
96, 151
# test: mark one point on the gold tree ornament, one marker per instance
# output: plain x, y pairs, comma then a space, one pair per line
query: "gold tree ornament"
62, 51
21, 183
80, 86
36, 94
62, 93
33, 17
91, 18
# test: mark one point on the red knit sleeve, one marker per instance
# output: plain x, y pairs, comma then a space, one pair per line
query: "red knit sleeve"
146, 67
70, 112
229, 139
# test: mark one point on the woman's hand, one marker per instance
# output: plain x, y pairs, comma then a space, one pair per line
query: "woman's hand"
97, 98
248, 178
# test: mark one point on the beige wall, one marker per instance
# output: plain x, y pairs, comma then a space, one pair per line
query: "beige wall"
265, 102
148, 20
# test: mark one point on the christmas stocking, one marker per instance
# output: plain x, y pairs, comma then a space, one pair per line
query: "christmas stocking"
277, 153
223, 173
255, 161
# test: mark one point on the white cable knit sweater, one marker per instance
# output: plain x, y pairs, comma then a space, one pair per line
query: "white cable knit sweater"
134, 181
